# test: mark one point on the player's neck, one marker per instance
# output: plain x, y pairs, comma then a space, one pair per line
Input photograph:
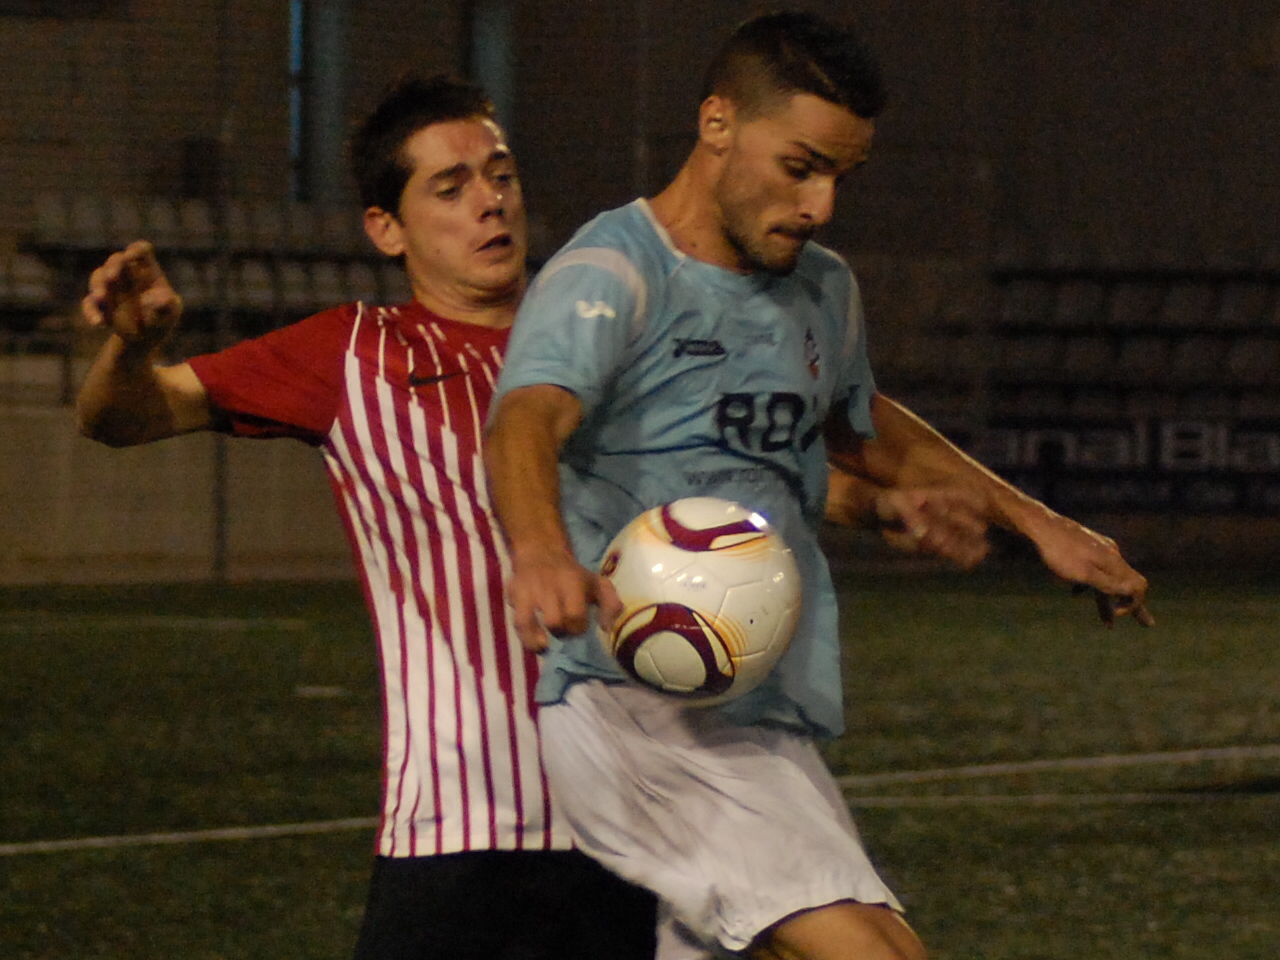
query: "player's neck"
482, 308
687, 212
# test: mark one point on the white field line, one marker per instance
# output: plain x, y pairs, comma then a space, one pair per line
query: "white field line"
190, 836
1051, 799
1066, 764
846, 783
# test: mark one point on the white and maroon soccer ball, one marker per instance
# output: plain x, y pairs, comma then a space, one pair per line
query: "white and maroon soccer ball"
710, 598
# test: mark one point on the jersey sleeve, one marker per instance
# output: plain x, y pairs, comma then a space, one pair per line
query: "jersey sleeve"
856, 385
576, 323
287, 383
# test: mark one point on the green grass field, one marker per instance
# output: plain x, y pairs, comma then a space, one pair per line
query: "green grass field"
183, 708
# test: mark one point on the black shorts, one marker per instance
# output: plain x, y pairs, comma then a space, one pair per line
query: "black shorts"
504, 905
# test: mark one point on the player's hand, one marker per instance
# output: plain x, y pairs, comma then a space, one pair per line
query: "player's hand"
939, 522
1092, 562
131, 296
551, 593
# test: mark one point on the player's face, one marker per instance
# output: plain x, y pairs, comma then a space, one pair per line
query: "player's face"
778, 182
462, 217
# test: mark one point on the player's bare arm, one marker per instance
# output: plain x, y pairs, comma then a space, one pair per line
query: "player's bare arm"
128, 397
908, 453
549, 590
941, 522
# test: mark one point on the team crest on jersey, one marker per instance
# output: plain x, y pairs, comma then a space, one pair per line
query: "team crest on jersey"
811, 356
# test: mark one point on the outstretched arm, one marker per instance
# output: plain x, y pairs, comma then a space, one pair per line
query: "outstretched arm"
909, 454
549, 590
127, 397
939, 521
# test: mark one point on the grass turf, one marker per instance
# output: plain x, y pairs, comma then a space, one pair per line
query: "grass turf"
140, 710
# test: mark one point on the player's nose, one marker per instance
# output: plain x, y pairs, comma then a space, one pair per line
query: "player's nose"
818, 201
492, 198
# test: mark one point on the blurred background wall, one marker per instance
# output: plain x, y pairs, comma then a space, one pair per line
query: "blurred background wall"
1068, 238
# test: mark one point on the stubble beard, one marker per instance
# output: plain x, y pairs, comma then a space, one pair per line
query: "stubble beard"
754, 256
738, 226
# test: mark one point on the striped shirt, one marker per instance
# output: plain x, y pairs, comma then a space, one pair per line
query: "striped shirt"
396, 397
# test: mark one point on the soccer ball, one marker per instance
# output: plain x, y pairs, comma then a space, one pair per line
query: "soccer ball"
710, 598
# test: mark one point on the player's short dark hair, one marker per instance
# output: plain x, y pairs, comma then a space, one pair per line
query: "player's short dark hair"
781, 54
378, 160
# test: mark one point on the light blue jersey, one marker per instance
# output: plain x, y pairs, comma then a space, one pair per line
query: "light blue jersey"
697, 381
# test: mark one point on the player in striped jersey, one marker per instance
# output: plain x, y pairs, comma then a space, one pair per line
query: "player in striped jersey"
474, 860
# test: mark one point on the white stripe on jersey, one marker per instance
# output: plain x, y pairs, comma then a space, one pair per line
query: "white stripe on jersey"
461, 756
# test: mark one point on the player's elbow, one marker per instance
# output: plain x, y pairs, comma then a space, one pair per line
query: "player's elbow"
541, 413
96, 433
110, 429
89, 425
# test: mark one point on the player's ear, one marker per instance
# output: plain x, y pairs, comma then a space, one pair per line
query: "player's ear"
385, 230
715, 122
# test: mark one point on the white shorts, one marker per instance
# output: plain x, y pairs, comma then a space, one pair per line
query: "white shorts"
734, 828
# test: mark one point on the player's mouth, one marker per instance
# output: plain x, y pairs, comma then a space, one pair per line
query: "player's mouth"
503, 241
798, 234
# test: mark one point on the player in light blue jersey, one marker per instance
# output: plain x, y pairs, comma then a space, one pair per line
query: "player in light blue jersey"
701, 343
695, 379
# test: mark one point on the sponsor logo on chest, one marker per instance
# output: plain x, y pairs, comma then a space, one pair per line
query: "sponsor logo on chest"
690, 347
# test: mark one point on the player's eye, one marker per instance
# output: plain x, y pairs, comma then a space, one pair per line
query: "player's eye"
451, 192
796, 169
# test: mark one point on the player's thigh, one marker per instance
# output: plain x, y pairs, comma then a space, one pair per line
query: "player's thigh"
841, 931
503, 905
420, 906
607, 917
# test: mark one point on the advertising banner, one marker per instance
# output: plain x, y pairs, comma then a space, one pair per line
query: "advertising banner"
1173, 465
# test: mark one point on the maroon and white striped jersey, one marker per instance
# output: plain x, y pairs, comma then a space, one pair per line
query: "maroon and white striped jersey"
396, 398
